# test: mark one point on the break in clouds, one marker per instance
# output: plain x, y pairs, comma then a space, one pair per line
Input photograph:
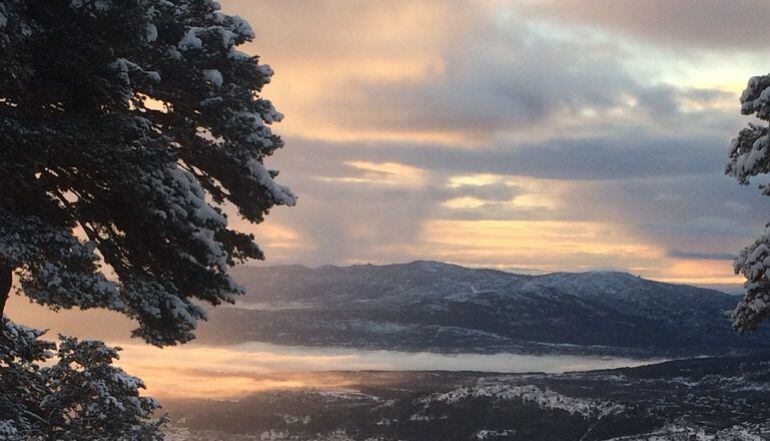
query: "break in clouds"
525, 113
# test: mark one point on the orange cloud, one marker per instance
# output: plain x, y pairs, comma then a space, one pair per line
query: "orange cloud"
538, 245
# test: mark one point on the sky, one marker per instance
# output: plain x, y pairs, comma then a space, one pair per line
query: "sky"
531, 135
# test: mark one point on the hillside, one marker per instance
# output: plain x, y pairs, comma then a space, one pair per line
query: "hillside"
431, 306
701, 399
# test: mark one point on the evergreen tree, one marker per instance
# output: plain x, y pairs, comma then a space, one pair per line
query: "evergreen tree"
749, 158
126, 128
80, 396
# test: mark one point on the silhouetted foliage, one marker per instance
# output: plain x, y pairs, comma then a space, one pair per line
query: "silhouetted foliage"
126, 126
79, 395
749, 158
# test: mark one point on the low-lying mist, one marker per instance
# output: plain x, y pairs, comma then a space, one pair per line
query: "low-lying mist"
227, 372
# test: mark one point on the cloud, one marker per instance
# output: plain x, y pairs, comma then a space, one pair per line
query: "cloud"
403, 116
705, 24
496, 192
503, 84
704, 214
619, 154
319, 49
447, 70
700, 256
652, 191
516, 79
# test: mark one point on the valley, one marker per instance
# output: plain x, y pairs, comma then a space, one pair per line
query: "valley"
704, 399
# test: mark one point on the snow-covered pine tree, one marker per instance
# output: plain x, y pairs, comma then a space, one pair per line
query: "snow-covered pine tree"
126, 127
79, 395
749, 158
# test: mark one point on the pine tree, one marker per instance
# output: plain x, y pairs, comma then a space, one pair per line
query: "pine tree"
126, 129
749, 158
79, 395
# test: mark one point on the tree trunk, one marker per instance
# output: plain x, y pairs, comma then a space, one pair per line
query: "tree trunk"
6, 279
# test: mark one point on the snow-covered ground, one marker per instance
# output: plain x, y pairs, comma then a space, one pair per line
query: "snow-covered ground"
689, 400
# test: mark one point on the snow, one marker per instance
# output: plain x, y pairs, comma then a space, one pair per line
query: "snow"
174, 54
242, 27
78, 387
753, 262
152, 33
281, 194
756, 97
214, 77
494, 434
212, 101
49, 278
378, 327
191, 40
99, 5
291, 419
228, 37
183, 198
235, 54
543, 398
266, 70
746, 162
680, 432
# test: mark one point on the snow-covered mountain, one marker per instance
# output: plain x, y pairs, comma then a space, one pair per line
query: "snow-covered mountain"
435, 306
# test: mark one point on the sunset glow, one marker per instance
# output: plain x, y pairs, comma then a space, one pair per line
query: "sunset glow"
377, 126
412, 220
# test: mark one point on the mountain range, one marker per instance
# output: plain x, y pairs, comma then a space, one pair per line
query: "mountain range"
433, 306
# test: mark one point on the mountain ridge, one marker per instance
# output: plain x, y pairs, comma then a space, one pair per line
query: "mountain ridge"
433, 306
435, 264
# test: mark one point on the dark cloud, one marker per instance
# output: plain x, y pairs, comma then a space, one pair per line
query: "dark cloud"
707, 214
700, 256
711, 24
488, 88
486, 76
666, 192
511, 80
632, 154
521, 100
